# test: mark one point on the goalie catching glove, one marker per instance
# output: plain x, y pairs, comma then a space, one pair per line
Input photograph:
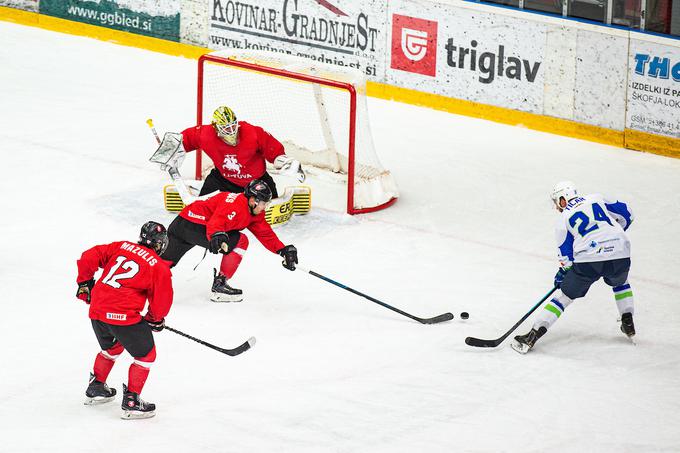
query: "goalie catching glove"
84, 288
290, 258
289, 166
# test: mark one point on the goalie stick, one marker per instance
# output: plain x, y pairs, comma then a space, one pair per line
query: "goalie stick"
230, 352
480, 343
434, 320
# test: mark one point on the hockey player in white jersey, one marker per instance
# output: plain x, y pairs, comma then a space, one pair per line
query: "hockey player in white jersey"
592, 244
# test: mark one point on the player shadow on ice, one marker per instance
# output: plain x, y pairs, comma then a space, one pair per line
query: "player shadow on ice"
596, 344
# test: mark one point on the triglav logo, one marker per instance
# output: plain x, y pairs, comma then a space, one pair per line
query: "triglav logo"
414, 45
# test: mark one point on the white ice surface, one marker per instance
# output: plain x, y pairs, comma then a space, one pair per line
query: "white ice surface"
331, 371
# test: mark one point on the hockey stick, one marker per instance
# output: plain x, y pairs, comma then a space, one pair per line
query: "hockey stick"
231, 352
435, 320
149, 122
479, 343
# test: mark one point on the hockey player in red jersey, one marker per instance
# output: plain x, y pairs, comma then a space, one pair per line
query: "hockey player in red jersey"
132, 273
238, 150
215, 224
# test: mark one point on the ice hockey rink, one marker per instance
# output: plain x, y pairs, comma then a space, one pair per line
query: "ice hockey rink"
472, 231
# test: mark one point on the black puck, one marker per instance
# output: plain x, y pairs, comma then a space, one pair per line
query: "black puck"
464, 315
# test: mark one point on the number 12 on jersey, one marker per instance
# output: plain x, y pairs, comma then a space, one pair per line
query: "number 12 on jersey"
581, 219
112, 278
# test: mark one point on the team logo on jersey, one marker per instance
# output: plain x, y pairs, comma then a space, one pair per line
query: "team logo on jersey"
231, 164
414, 45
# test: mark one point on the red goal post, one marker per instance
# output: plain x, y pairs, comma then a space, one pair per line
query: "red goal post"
222, 78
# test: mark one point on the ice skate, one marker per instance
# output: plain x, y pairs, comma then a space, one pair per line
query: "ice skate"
222, 292
134, 407
98, 392
524, 343
627, 325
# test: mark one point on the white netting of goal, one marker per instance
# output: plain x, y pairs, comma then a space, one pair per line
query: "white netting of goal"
310, 119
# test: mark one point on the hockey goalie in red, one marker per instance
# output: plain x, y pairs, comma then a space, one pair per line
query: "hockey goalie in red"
239, 151
132, 273
215, 224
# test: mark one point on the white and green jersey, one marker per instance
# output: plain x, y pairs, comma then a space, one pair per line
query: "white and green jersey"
592, 228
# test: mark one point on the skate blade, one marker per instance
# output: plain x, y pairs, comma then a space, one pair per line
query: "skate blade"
519, 347
136, 415
219, 297
98, 400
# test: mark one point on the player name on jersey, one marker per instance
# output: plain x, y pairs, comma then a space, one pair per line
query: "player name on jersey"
139, 251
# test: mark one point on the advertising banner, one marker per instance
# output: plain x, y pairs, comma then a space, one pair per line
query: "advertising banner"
339, 32
654, 88
466, 54
157, 18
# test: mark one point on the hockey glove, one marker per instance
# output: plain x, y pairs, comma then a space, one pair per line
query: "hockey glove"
217, 240
290, 259
559, 276
156, 326
84, 289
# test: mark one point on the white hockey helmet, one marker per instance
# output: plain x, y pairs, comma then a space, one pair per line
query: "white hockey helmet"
563, 189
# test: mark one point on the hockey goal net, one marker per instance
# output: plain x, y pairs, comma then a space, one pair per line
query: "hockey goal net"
317, 111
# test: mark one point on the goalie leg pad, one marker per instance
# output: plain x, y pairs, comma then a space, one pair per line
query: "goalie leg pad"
295, 200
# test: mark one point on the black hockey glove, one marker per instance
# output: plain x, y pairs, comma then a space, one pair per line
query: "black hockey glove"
156, 326
290, 259
84, 288
216, 241
559, 276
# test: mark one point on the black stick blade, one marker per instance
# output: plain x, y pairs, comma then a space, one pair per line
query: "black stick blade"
480, 343
239, 349
437, 319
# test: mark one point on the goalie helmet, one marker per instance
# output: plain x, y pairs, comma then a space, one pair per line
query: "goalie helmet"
563, 189
258, 189
154, 236
225, 123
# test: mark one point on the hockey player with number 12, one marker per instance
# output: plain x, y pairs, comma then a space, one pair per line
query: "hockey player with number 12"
592, 244
132, 273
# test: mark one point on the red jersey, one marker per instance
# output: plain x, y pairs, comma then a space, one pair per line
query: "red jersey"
242, 162
228, 211
132, 274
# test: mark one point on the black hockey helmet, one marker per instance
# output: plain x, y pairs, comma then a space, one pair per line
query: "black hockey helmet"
154, 235
258, 189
